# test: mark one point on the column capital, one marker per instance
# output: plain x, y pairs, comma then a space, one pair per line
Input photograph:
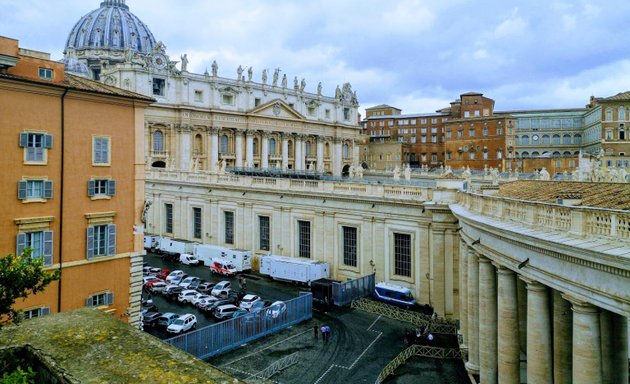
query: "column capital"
337, 140
533, 285
239, 131
250, 133
266, 134
213, 130
319, 139
503, 270
580, 306
285, 135
299, 136
484, 259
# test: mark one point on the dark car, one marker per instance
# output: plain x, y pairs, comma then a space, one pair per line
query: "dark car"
195, 284
173, 293
205, 287
150, 319
148, 307
231, 299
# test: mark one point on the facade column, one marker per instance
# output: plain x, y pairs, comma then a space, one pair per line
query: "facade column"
618, 352
539, 357
249, 149
487, 322
509, 351
437, 269
285, 151
320, 153
214, 149
463, 292
587, 347
185, 148
337, 158
356, 154
238, 150
299, 156
264, 151
473, 312
562, 343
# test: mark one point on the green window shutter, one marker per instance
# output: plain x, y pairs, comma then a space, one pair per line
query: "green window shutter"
111, 187
105, 148
22, 190
48, 190
21, 243
97, 150
48, 248
110, 298
91, 188
90, 243
48, 141
23, 139
111, 240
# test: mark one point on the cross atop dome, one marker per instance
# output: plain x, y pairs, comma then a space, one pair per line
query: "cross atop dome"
114, 3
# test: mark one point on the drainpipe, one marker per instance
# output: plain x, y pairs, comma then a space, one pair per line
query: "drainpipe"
63, 123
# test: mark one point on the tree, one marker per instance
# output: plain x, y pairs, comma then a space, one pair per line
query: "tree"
21, 276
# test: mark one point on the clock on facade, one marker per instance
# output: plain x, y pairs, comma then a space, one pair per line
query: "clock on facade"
159, 61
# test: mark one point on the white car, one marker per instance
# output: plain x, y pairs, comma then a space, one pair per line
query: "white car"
221, 288
276, 309
188, 281
188, 296
248, 301
175, 274
188, 259
201, 298
157, 287
225, 311
183, 324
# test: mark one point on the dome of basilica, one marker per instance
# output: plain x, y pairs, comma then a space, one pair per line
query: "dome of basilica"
110, 28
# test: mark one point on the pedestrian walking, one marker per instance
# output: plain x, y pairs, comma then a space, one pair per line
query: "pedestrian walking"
323, 330
316, 332
327, 333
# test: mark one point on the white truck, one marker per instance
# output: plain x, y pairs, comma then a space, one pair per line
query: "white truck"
151, 242
293, 269
174, 248
239, 258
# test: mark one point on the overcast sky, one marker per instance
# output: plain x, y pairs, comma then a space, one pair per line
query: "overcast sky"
417, 55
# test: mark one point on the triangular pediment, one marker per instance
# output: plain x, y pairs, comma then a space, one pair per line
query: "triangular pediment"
277, 108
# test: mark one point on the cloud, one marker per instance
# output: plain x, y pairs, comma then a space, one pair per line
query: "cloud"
513, 25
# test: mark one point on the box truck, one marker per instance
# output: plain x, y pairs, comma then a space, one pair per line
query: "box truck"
293, 269
239, 258
174, 248
151, 242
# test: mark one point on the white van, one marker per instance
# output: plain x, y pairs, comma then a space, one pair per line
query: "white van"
188, 259
225, 311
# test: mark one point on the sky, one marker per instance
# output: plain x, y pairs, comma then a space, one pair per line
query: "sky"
416, 55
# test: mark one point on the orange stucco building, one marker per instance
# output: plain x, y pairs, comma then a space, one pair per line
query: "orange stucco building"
74, 182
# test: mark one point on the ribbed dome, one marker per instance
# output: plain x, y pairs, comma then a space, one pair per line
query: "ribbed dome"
76, 67
111, 27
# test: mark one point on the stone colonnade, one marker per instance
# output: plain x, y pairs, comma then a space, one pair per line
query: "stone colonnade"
567, 340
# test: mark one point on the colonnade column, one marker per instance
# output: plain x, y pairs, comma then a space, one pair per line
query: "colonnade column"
587, 348
508, 347
264, 151
562, 343
539, 357
618, 352
487, 322
463, 292
249, 149
214, 149
238, 150
473, 312
337, 160
285, 151
299, 156
320, 153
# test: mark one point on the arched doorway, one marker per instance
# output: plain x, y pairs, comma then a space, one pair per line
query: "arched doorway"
346, 171
365, 166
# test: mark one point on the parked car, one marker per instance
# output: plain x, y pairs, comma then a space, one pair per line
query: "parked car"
201, 297
221, 286
148, 307
258, 306
172, 291
182, 324
225, 311
222, 268
177, 279
195, 284
205, 287
167, 319
163, 274
187, 296
156, 286
248, 301
148, 279
174, 274
276, 309
150, 319
187, 281
188, 259
219, 302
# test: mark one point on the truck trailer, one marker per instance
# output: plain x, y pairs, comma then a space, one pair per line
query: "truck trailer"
239, 258
293, 269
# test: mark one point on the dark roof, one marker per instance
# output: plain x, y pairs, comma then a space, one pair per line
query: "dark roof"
471, 94
382, 106
599, 195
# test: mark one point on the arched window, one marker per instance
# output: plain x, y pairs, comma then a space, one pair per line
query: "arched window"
517, 139
158, 141
621, 113
556, 154
525, 140
198, 144
499, 154
307, 148
622, 132
556, 139
545, 139
535, 139
346, 151
535, 154
577, 139
225, 142
272, 147
525, 155
566, 139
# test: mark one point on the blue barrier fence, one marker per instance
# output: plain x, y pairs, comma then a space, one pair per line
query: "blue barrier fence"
346, 293
221, 337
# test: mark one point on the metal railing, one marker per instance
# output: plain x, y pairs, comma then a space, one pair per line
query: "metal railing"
346, 293
273, 369
221, 337
420, 351
434, 325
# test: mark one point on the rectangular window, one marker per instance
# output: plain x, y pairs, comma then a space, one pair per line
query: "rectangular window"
477, 113
346, 114
466, 113
159, 86
434, 138
263, 229
106, 298
257, 102
100, 150
434, 157
423, 139
46, 73
402, 254
423, 121
168, 218
197, 223
327, 113
304, 238
101, 240
227, 99
35, 189
40, 243
35, 145
101, 187
499, 131
434, 120
37, 312
350, 246
471, 132
413, 122
229, 227
198, 96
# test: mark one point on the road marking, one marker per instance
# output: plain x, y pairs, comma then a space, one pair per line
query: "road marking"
379, 334
267, 347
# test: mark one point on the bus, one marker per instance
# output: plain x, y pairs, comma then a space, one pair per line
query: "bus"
394, 294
